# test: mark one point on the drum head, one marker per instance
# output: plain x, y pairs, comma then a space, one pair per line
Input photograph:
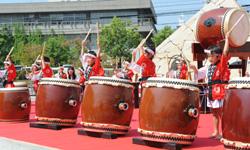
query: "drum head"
20, 84
240, 33
110, 81
15, 89
172, 83
59, 82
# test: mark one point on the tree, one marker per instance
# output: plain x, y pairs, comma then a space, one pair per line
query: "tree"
162, 35
6, 42
57, 48
118, 38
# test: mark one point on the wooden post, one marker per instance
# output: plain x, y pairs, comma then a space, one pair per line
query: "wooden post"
243, 67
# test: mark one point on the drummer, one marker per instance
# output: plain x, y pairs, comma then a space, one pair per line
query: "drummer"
145, 61
126, 72
10, 73
46, 69
91, 61
61, 74
217, 74
81, 79
180, 73
35, 75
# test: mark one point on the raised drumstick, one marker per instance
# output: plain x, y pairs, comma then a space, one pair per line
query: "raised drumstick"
86, 37
11, 50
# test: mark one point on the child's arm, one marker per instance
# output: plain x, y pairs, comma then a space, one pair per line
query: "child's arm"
199, 74
226, 46
42, 61
98, 42
84, 43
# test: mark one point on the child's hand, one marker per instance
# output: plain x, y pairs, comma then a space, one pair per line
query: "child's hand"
193, 67
227, 36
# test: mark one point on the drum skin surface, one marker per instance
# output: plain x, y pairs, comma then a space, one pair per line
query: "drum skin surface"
163, 110
214, 24
100, 108
236, 118
15, 104
52, 104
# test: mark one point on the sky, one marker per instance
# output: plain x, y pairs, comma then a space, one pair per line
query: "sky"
169, 12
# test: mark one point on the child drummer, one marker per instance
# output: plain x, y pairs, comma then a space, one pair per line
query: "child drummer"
125, 73
145, 61
46, 69
217, 75
10, 73
91, 61
35, 75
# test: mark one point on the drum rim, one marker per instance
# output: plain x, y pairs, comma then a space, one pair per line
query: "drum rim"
171, 83
14, 89
20, 83
153, 79
52, 80
110, 79
225, 22
239, 82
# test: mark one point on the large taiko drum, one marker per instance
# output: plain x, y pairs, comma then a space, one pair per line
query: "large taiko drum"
169, 110
107, 105
58, 101
14, 104
214, 24
236, 115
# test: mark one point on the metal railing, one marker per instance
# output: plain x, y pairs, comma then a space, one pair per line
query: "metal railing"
62, 26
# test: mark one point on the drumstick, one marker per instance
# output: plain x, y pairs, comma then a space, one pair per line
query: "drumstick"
11, 50
37, 58
44, 45
142, 43
86, 37
236, 23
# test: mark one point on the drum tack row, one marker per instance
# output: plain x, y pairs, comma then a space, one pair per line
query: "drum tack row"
169, 110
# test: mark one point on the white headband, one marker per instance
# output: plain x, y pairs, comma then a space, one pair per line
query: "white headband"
150, 51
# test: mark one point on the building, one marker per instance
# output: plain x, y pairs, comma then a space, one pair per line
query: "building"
74, 18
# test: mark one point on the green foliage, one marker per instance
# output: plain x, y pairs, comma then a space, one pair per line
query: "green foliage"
162, 35
29, 45
118, 38
6, 42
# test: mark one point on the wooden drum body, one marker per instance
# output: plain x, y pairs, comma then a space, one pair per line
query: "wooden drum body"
236, 115
107, 105
15, 104
58, 101
169, 110
213, 25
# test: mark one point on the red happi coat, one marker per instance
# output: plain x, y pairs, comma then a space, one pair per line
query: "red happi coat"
148, 66
11, 76
184, 72
82, 80
47, 71
222, 73
97, 69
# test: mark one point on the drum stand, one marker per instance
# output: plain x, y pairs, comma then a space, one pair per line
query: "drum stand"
170, 146
47, 126
203, 100
136, 94
105, 135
